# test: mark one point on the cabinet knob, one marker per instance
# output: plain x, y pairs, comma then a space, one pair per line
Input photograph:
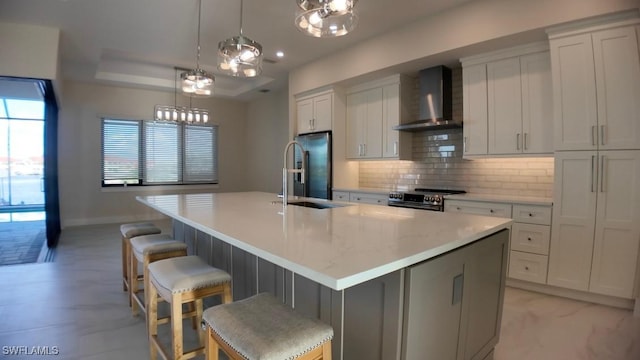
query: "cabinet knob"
529, 238
530, 215
491, 211
526, 268
458, 208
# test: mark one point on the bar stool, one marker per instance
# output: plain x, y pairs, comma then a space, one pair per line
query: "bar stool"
147, 249
261, 327
181, 280
128, 231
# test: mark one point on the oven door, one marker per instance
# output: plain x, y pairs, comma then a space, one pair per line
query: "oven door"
415, 205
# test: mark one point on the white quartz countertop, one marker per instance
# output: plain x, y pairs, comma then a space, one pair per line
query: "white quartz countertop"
338, 247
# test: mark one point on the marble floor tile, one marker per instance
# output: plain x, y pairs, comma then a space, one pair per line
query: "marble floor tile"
77, 305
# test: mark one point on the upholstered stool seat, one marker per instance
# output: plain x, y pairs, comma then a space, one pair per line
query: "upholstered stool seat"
129, 231
147, 249
261, 327
181, 280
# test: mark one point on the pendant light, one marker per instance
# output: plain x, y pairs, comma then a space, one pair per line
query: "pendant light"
326, 18
175, 113
240, 56
197, 82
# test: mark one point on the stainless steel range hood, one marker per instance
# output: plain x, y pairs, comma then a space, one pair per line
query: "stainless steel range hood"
434, 101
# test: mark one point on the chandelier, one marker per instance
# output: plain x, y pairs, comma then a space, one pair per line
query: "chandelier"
197, 82
240, 56
175, 113
326, 18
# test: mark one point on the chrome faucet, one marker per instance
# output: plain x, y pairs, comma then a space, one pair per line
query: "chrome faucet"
286, 171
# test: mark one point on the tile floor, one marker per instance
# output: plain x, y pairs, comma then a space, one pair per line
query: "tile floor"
77, 308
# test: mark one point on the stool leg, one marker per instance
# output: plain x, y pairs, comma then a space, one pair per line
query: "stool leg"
145, 272
211, 347
196, 321
176, 325
326, 351
125, 266
152, 320
227, 296
133, 282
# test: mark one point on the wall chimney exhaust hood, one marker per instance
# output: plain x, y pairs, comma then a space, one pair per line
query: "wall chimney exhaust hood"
434, 101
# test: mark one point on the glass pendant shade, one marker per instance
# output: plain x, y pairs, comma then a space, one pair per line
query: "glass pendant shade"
326, 18
197, 83
240, 56
175, 113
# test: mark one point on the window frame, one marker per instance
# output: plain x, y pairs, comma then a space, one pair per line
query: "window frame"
142, 180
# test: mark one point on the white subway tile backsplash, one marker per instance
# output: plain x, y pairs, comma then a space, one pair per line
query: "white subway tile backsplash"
438, 163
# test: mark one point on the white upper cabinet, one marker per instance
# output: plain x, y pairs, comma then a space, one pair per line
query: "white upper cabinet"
596, 89
537, 104
373, 109
364, 124
314, 113
474, 99
507, 102
504, 106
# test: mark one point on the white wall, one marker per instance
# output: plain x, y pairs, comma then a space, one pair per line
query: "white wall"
267, 129
82, 200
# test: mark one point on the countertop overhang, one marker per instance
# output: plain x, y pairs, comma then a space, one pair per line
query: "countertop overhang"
338, 247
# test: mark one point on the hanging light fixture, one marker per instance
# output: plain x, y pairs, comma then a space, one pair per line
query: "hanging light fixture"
197, 82
326, 18
175, 113
240, 56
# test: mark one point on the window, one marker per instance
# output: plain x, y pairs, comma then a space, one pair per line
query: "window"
158, 153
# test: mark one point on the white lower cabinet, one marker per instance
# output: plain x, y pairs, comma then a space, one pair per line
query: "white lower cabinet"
530, 234
361, 197
596, 222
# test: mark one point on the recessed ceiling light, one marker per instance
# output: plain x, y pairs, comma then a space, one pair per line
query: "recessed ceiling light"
280, 54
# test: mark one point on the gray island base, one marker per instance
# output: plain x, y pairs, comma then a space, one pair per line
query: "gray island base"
446, 306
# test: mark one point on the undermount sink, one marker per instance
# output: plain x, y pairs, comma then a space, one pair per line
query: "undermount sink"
315, 205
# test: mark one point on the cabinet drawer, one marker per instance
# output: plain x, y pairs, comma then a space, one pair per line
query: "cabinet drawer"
478, 208
532, 214
341, 195
368, 198
528, 267
530, 238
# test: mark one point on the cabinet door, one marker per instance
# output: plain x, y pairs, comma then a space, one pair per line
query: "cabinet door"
356, 113
433, 307
478, 208
322, 112
375, 199
537, 113
504, 106
574, 93
475, 109
574, 213
617, 233
617, 69
390, 118
305, 115
484, 281
372, 126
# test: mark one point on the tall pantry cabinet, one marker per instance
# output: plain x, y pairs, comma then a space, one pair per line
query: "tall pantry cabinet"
595, 238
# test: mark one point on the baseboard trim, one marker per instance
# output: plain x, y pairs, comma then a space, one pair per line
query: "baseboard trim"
573, 294
111, 220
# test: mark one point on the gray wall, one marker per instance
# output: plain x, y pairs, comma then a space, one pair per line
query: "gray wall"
82, 199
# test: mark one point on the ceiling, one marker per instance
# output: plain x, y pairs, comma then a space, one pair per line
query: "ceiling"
139, 43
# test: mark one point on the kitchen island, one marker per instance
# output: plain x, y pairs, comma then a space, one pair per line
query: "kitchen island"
394, 283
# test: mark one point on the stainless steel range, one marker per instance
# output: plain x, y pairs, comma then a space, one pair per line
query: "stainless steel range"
424, 199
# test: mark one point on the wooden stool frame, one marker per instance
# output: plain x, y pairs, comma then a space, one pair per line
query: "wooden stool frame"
176, 301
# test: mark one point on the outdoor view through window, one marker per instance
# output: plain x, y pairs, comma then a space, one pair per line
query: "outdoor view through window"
21, 153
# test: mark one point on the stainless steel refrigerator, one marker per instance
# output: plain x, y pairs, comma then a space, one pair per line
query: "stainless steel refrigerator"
318, 170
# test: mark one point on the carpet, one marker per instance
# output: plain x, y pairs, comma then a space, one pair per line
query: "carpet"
21, 242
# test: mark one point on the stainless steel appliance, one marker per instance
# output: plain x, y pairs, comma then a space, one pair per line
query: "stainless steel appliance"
318, 176
424, 199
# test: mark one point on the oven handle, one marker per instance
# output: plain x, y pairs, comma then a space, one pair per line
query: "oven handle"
412, 206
